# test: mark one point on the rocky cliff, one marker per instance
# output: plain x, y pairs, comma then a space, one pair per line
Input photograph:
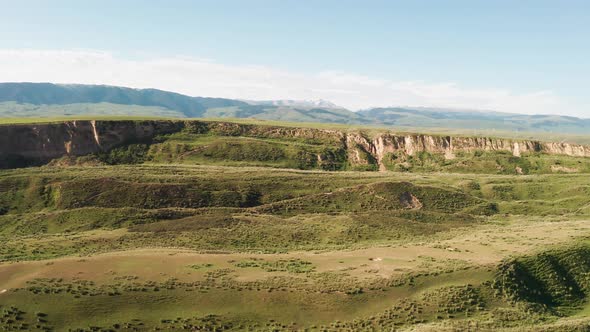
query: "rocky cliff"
448, 146
30, 144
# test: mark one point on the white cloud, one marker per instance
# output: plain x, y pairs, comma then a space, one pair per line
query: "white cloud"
202, 77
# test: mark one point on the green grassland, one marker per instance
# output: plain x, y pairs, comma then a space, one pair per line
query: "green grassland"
211, 247
24, 111
208, 232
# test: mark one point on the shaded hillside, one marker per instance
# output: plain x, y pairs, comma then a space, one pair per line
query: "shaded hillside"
554, 279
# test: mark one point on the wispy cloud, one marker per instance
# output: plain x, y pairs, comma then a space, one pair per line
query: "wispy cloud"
203, 77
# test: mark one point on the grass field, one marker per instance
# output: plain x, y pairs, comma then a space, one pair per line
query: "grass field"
252, 248
209, 232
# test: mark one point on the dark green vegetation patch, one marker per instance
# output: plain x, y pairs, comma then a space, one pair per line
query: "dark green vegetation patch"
556, 280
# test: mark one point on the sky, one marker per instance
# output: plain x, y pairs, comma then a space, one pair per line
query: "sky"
514, 56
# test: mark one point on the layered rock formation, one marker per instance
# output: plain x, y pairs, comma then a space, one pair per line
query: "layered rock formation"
410, 144
31, 144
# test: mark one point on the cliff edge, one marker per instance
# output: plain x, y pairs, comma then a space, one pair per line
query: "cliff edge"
37, 144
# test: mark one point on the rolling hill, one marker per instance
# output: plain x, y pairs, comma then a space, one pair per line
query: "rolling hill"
58, 100
465, 119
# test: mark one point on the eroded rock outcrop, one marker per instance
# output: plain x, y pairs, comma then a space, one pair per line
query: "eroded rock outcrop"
30, 144
448, 146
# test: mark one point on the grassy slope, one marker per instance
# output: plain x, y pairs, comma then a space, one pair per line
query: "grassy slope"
195, 229
372, 258
12, 110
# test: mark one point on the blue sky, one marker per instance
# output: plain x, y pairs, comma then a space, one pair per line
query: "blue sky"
517, 56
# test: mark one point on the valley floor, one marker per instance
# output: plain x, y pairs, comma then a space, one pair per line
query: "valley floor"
119, 248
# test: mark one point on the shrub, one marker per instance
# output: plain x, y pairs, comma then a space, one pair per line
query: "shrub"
130, 154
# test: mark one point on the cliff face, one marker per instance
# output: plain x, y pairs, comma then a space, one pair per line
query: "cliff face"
39, 143
448, 146
31, 144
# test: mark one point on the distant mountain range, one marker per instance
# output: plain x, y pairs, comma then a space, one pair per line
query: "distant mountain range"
295, 103
52, 100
